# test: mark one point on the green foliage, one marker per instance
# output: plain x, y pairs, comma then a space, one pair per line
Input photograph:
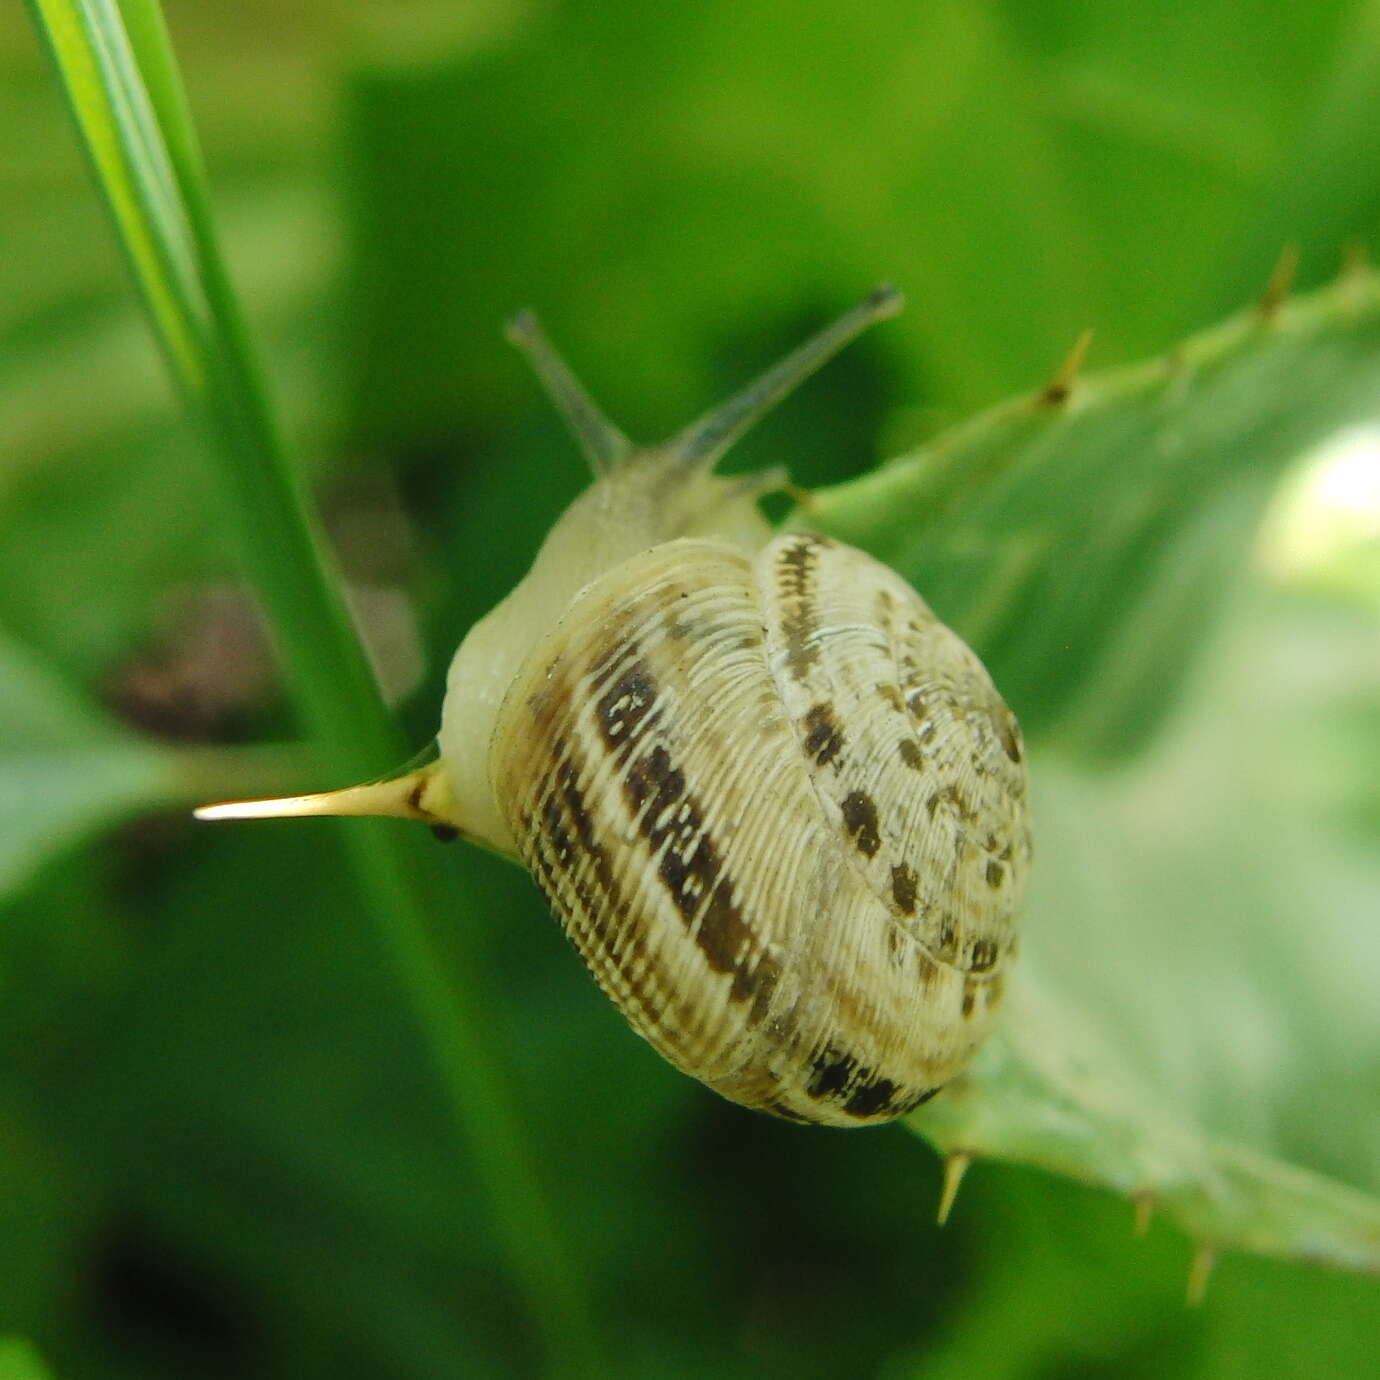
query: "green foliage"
1078, 545
67, 771
19, 1361
121, 81
223, 1143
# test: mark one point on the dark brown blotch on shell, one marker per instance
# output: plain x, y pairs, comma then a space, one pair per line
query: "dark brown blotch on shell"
623, 708
984, 957
668, 817
860, 820
904, 885
841, 1078
824, 738
796, 570
1008, 732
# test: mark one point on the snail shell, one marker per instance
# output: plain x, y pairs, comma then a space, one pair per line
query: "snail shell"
779, 808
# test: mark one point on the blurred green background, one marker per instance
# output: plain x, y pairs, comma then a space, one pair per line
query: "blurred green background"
223, 1151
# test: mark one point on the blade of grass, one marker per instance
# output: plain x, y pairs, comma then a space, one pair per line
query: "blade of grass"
116, 65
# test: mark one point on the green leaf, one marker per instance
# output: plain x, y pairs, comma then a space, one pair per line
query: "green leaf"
19, 1360
65, 770
120, 133
681, 196
1022, 171
1197, 971
68, 770
1080, 544
1047, 1092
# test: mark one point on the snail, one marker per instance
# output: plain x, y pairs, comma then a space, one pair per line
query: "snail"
778, 807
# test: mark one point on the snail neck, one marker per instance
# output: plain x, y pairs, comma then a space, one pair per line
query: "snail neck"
647, 501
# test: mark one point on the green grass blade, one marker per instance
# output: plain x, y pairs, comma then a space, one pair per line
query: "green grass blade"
119, 133
125, 94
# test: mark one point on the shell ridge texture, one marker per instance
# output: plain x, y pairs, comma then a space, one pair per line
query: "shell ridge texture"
750, 878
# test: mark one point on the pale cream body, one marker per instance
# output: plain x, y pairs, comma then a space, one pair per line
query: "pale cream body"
641, 504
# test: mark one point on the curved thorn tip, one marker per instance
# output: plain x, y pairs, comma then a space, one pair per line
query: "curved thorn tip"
1144, 1206
1060, 387
1355, 259
955, 1167
421, 794
1199, 1272
1280, 284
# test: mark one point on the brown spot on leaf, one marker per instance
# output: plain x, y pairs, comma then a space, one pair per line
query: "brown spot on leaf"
996, 873
911, 754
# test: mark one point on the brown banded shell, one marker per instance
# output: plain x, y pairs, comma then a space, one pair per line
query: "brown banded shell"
781, 811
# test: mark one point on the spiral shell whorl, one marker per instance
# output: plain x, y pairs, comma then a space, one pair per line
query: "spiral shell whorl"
779, 810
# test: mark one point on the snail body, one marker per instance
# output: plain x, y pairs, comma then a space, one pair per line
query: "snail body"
777, 806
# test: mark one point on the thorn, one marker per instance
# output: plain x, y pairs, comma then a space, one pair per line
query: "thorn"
1144, 1206
1199, 1272
1060, 388
1355, 261
423, 794
1278, 288
1355, 276
955, 1167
